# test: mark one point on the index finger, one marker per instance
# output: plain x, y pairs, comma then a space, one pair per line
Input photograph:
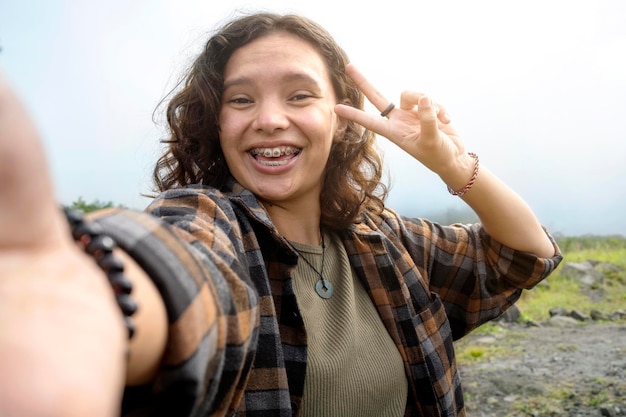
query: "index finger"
373, 95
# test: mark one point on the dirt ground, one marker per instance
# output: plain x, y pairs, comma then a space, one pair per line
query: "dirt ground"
578, 370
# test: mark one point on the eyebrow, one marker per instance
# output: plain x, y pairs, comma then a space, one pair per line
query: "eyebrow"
295, 76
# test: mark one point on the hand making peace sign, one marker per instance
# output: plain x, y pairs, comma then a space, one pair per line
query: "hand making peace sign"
418, 126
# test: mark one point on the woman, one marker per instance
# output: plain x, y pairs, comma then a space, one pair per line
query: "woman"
269, 275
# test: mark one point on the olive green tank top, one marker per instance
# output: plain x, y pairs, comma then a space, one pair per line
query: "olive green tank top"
353, 366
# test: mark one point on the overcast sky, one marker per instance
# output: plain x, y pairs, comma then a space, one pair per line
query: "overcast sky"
536, 88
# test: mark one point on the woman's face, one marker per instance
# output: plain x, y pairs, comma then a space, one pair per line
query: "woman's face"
277, 121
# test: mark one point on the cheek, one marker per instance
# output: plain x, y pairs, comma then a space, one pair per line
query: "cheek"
325, 124
228, 131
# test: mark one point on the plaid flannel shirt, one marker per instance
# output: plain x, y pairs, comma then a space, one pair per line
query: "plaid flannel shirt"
237, 344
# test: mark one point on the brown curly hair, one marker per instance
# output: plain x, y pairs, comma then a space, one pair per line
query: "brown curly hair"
352, 180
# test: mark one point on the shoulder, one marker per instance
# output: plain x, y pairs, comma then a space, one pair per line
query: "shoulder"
420, 231
389, 221
202, 201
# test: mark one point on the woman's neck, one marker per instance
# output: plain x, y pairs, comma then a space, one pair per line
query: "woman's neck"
296, 224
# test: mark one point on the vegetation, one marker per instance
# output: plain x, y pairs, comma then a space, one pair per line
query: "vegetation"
560, 291
571, 245
559, 399
494, 344
467, 352
86, 207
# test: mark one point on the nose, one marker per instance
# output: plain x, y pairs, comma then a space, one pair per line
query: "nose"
271, 115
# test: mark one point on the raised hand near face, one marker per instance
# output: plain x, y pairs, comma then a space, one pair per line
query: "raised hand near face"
417, 125
422, 128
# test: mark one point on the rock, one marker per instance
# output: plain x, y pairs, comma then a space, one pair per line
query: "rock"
558, 311
608, 268
618, 315
606, 412
597, 315
565, 370
512, 315
596, 294
579, 315
583, 272
562, 321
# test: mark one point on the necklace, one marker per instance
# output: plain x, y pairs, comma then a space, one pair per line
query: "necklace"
323, 288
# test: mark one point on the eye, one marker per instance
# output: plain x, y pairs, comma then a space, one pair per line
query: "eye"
240, 100
301, 96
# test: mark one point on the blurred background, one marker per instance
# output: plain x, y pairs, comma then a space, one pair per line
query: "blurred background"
536, 88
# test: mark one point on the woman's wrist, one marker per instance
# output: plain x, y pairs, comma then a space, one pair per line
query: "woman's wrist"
462, 175
100, 247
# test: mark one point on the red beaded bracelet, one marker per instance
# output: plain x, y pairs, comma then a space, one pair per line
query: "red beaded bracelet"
472, 180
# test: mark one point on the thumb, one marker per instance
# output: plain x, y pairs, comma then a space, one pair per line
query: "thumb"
29, 214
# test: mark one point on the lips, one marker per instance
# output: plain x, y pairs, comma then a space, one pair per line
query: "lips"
274, 156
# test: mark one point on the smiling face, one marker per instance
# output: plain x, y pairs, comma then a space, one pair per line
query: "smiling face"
277, 122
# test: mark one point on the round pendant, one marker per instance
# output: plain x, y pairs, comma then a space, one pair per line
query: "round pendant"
324, 289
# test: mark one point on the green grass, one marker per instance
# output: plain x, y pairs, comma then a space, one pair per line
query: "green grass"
590, 242
473, 350
559, 291
467, 353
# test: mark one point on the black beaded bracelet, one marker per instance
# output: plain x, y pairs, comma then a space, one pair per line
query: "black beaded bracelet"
99, 246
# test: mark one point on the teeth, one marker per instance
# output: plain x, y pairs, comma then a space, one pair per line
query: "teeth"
275, 152
274, 163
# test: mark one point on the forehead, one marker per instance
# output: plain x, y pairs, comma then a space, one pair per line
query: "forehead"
275, 52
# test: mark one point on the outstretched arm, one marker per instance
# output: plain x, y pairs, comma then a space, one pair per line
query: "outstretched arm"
62, 339
422, 129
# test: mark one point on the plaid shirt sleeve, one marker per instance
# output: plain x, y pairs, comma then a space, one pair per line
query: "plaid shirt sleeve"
476, 277
190, 253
